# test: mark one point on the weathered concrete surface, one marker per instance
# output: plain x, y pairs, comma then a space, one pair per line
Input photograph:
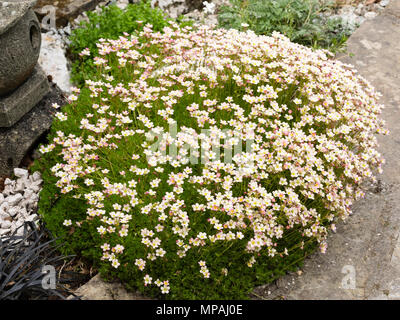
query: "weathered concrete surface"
16, 141
369, 241
97, 289
16, 104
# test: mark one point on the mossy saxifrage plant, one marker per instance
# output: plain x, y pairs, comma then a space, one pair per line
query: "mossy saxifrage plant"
176, 227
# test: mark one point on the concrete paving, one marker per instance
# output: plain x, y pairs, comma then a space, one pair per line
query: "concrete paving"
363, 257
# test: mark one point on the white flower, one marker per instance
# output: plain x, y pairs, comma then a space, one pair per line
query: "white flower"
67, 223
147, 279
164, 289
85, 52
115, 263
61, 116
72, 97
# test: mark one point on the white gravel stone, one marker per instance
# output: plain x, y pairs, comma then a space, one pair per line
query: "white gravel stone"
370, 15
4, 215
18, 201
384, 3
20, 232
28, 204
23, 213
5, 224
32, 217
8, 190
35, 188
21, 173
20, 185
19, 223
4, 206
4, 232
122, 4
28, 193
13, 211
14, 199
36, 176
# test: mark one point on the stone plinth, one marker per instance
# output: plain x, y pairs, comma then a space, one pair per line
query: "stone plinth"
15, 142
15, 105
22, 84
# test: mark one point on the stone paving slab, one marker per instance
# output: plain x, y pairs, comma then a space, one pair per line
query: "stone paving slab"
97, 289
366, 247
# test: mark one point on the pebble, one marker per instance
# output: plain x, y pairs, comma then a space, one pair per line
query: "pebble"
354, 16
370, 15
35, 176
384, 3
4, 206
5, 224
14, 199
13, 211
21, 173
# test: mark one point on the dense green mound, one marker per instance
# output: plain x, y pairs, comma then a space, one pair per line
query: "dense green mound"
199, 163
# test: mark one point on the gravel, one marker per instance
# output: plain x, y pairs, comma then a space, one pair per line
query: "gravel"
52, 57
18, 201
354, 16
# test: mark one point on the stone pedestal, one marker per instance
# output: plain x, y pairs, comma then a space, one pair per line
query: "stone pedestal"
16, 141
16, 104
25, 101
22, 83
